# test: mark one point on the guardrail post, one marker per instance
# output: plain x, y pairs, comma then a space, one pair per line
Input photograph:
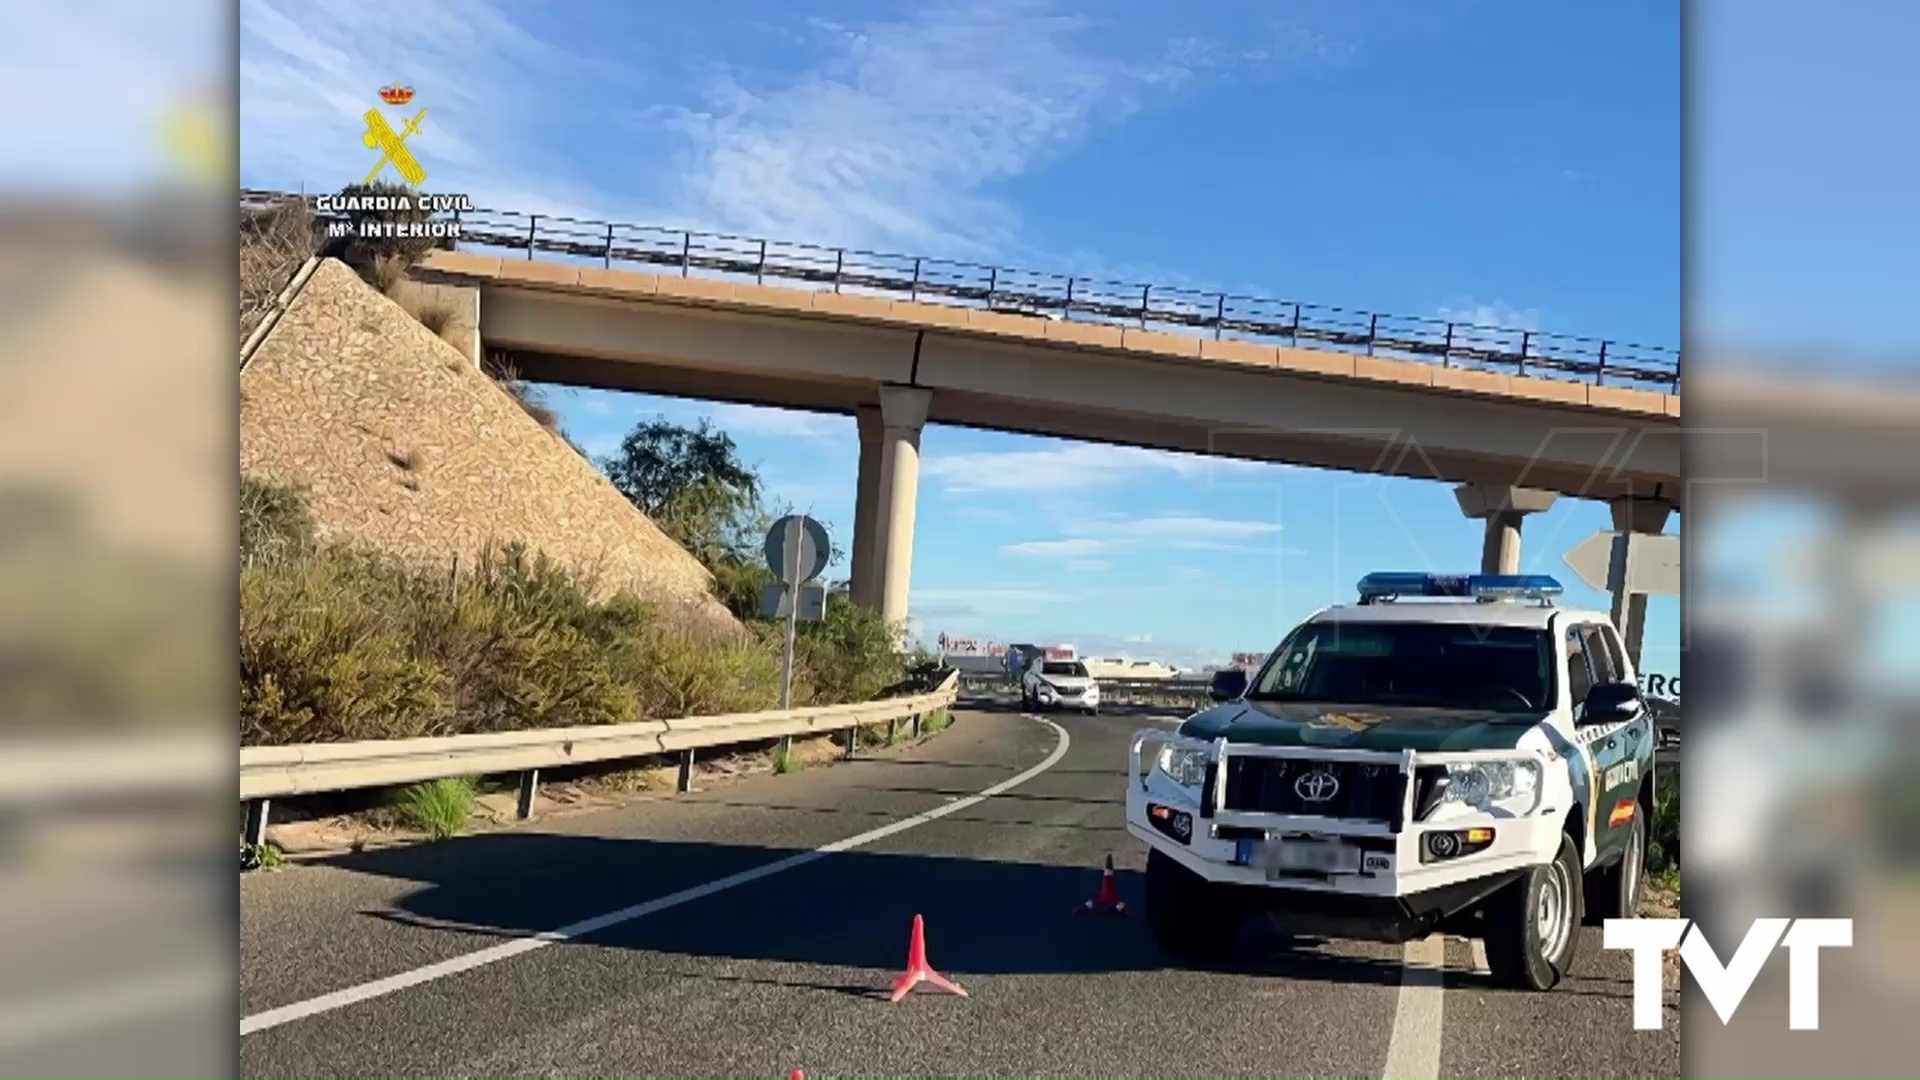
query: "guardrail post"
1600, 372
993, 284
609, 258
1526, 343
853, 740
686, 253
839, 266
760, 271
1144, 291
916, 725
256, 827
893, 730
1373, 331
913, 291
1446, 356
529, 790
686, 770
785, 747
533, 228
453, 244
1220, 317
1295, 332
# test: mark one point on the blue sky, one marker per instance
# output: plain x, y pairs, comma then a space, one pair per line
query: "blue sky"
1512, 164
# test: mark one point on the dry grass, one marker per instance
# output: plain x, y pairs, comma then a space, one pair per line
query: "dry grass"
436, 316
525, 394
384, 273
273, 245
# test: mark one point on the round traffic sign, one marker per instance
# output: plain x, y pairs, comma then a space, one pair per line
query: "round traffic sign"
797, 549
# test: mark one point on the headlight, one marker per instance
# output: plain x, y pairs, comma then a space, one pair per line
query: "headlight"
1185, 767
1511, 787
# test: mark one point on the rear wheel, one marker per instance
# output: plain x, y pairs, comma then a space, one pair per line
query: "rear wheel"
1533, 925
1191, 917
1614, 893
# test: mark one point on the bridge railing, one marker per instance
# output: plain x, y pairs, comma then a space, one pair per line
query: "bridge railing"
268, 772
1039, 294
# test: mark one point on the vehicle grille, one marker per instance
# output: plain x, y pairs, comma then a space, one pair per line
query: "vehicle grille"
1266, 785
1069, 691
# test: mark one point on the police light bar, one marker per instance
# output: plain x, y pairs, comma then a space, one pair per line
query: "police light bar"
1387, 585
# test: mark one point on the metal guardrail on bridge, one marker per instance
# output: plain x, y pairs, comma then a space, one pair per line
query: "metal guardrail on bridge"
267, 772
1052, 295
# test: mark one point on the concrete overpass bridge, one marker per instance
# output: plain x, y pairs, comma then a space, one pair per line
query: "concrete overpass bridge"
1517, 418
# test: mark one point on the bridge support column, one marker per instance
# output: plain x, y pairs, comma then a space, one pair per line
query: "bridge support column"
1641, 514
903, 412
866, 508
1502, 508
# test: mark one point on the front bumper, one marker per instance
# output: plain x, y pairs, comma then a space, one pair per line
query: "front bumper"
1200, 832
1053, 698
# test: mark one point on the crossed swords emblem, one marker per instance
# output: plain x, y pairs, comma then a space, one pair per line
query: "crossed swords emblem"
393, 146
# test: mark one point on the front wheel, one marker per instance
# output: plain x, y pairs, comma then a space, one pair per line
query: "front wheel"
1532, 925
1192, 918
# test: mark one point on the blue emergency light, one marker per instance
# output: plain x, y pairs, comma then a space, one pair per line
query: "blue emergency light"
1392, 584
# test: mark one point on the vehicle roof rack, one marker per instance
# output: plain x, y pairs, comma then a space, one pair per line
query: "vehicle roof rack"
1389, 585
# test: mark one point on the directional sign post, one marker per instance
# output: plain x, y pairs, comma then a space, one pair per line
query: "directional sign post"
797, 551
1630, 566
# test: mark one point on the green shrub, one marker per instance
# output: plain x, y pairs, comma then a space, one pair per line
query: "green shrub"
1663, 829
364, 253
937, 720
439, 808
848, 655
274, 520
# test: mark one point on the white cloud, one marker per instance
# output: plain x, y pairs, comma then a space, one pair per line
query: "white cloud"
1181, 528
1055, 549
779, 423
1490, 315
1068, 467
1088, 565
1000, 600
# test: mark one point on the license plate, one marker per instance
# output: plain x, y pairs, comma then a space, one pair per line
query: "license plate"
1322, 857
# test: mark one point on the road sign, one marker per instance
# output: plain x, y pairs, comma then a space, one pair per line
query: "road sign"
1628, 562
797, 549
776, 602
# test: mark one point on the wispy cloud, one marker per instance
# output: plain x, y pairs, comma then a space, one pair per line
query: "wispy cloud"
1067, 467
941, 603
1494, 314
1055, 549
1186, 532
779, 423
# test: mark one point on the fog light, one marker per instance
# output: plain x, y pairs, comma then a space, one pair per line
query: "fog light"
1440, 846
1175, 823
1443, 845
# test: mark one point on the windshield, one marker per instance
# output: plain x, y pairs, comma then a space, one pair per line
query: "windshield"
1462, 666
1063, 667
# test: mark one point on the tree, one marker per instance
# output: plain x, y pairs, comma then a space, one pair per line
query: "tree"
691, 482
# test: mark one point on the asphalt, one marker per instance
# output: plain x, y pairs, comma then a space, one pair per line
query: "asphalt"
790, 970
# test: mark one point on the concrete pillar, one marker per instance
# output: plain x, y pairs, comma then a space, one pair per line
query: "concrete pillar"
1502, 507
866, 508
903, 412
1640, 514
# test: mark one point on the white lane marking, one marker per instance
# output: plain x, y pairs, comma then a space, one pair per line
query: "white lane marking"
1413, 1050
340, 999
111, 1006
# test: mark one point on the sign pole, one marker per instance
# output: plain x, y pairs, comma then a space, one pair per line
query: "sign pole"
793, 617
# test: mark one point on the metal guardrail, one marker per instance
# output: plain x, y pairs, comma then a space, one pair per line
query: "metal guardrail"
1051, 295
267, 772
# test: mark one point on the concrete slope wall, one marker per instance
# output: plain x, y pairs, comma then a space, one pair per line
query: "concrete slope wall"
403, 445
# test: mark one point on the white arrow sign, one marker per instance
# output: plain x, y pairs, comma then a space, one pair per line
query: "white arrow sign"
1628, 562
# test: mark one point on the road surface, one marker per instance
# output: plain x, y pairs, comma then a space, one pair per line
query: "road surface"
709, 935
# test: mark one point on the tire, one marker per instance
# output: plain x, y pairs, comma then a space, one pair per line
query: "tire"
1614, 892
1192, 918
1533, 925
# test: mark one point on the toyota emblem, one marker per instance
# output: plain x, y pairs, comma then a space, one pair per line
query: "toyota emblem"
1316, 786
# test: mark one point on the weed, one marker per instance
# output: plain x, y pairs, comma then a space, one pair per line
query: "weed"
784, 760
937, 720
259, 857
439, 808
384, 272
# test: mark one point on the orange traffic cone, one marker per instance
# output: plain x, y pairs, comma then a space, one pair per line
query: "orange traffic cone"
1108, 898
918, 970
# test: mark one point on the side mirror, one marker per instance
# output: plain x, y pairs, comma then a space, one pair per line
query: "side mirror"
1612, 703
1227, 685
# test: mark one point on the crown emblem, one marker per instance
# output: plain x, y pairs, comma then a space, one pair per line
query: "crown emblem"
395, 94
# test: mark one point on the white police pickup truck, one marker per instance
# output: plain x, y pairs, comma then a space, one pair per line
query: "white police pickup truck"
1453, 753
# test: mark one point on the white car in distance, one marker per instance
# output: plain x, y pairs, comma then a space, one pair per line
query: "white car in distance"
1059, 684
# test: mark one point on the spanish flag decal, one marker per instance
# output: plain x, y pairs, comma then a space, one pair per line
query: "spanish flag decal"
1622, 813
